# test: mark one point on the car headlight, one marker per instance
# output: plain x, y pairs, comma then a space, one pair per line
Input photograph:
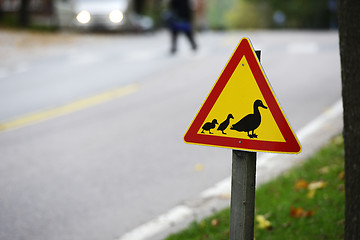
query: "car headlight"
83, 17
116, 16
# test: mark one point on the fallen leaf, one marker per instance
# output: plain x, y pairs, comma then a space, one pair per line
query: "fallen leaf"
311, 193
225, 196
301, 184
324, 170
310, 213
313, 186
199, 167
341, 175
263, 223
300, 212
317, 185
214, 222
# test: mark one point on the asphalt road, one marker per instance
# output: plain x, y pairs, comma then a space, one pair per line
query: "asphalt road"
108, 164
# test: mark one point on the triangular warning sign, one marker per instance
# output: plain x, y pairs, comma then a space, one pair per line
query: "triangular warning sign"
241, 111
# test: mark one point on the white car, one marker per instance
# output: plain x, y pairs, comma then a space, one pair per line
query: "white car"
110, 15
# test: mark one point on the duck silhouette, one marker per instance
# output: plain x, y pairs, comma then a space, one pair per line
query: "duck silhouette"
225, 123
209, 125
251, 121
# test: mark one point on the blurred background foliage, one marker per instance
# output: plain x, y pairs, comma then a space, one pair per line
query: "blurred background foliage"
231, 14
258, 14
307, 14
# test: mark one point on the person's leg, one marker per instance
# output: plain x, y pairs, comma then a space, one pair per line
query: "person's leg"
189, 34
174, 34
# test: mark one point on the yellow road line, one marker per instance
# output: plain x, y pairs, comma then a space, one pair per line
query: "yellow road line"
66, 109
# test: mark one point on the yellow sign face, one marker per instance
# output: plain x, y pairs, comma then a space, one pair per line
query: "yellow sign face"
241, 111
237, 99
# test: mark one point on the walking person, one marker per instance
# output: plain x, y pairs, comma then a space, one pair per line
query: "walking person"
179, 20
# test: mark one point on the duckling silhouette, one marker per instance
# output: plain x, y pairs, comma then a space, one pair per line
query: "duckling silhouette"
251, 121
209, 125
225, 123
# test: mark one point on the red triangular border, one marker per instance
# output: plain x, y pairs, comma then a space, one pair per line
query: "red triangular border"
291, 144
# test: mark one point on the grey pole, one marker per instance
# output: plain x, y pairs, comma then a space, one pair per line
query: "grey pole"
243, 193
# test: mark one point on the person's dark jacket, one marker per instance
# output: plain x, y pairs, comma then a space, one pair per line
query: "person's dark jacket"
182, 9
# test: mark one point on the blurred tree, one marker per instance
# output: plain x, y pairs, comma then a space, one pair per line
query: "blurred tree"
349, 25
217, 11
154, 8
298, 13
246, 14
150, 8
24, 16
1, 10
139, 6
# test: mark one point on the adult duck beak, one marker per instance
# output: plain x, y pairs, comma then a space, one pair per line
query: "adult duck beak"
263, 106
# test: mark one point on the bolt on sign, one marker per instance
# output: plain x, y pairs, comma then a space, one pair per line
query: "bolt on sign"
241, 111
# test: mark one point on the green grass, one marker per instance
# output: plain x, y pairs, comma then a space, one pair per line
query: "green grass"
12, 22
321, 216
